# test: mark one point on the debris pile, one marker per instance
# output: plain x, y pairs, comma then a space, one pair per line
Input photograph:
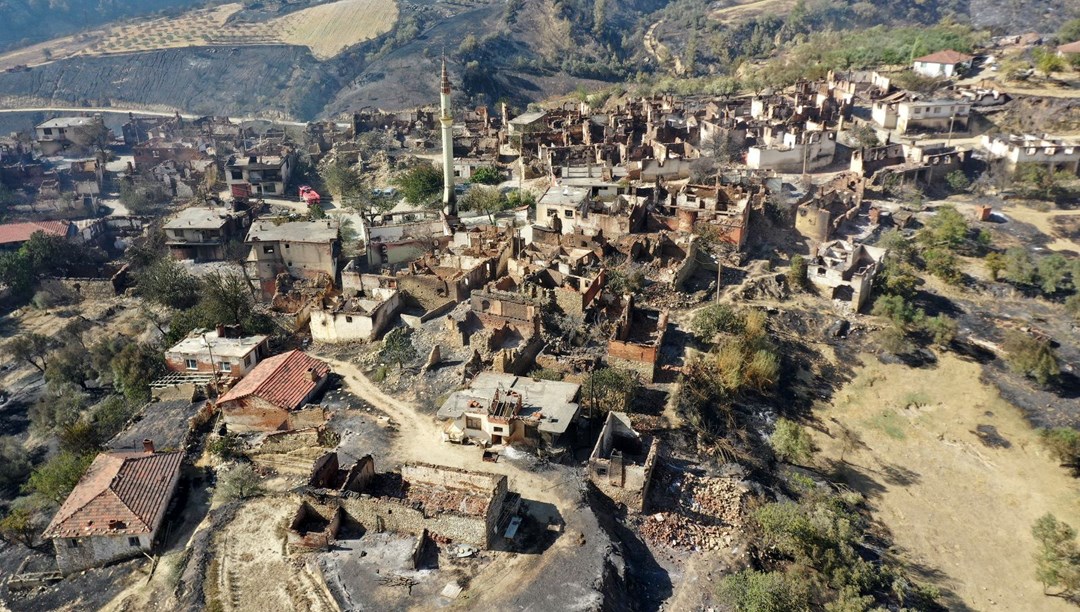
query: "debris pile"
705, 514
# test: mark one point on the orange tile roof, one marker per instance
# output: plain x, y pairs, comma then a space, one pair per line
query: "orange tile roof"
945, 57
20, 232
283, 380
120, 494
1073, 47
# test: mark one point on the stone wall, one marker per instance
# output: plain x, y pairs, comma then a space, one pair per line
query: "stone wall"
76, 554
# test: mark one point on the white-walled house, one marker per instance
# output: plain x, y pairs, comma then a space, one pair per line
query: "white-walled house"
943, 64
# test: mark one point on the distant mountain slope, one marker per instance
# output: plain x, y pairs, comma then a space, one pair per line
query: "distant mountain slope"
29, 21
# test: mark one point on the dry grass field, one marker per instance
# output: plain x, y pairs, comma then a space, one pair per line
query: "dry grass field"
959, 508
327, 30
746, 10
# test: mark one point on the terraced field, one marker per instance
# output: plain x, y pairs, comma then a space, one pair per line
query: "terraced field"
327, 30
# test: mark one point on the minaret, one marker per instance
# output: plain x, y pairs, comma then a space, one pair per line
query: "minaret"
446, 118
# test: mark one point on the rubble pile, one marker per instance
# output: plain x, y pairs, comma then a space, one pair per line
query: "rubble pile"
706, 514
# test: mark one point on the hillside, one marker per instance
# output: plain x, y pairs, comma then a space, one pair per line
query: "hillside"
304, 59
30, 21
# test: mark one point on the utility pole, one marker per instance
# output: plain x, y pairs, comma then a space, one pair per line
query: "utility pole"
952, 118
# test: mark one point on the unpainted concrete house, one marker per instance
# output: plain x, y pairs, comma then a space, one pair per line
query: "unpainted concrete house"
845, 272
116, 510
622, 462
363, 316
201, 233
301, 249
273, 396
504, 408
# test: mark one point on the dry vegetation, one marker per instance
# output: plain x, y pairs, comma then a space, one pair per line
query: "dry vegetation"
952, 494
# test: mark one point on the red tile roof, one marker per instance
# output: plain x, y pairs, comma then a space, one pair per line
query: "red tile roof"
945, 57
283, 380
120, 494
20, 232
1073, 47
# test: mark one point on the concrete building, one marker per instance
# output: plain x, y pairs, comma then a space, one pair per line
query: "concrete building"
622, 462
116, 510
845, 272
943, 64
363, 316
562, 207
1012, 150
217, 350
273, 396
301, 249
797, 152
257, 175
911, 115
69, 135
502, 408
202, 233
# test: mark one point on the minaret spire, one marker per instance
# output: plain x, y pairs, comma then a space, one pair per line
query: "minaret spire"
446, 119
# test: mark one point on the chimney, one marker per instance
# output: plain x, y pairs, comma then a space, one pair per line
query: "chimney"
220, 330
148, 445
314, 375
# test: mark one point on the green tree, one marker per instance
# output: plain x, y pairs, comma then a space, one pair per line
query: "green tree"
519, 197
398, 347
791, 443
942, 329
54, 479
488, 200
486, 175
796, 274
957, 180
1064, 444
995, 263
1031, 357
69, 364
898, 310
24, 520
1057, 560
134, 368
946, 228
239, 482
420, 184
33, 348
315, 212
611, 389
168, 283
942, 263
1019, 267
1069, 32
1053, 271
1072, 303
